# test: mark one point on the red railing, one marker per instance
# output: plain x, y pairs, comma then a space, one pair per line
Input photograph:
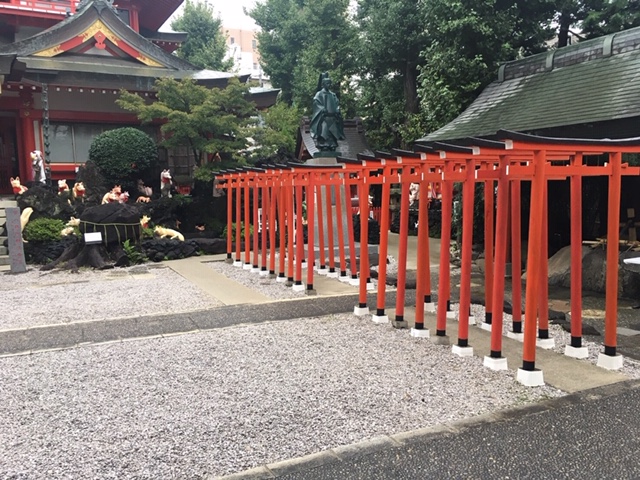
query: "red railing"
53, 6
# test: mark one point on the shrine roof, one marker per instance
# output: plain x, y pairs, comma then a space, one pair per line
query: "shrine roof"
586, 83
98, 15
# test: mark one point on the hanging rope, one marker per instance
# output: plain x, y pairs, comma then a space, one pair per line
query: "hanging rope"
45, 132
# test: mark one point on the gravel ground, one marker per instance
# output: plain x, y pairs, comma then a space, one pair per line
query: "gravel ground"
266, 286
223, 401
44, 298
631, 367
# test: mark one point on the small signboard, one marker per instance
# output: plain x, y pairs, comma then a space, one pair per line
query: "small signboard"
14, 238
92, 238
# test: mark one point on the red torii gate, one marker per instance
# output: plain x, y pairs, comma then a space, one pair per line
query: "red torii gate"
507, 161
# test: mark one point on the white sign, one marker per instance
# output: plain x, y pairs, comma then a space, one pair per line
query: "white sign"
91, 238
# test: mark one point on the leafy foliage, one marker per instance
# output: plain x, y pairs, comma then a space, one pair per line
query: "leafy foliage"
299, 39
233, 231
123, 154
43, 230
209, 121
277, 132
133, 252
205, 46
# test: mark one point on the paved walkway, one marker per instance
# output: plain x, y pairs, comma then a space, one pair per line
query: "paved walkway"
590, 435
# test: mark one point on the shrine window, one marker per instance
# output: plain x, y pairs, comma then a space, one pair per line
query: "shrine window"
70, 142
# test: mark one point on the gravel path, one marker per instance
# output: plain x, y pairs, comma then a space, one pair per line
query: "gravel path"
631, 367
269, 287
224, 401
44, 298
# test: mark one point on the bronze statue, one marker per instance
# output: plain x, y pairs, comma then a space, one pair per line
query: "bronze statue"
326, 123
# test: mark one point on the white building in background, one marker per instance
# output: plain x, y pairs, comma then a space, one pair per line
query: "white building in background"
242, 47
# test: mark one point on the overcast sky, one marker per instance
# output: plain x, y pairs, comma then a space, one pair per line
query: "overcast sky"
230, 11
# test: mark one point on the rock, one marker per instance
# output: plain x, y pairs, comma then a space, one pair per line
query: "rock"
594, 268
211, 246
46, 203
116, 221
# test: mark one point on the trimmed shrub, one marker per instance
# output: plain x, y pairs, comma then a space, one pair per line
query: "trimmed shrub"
43, 230
123, 154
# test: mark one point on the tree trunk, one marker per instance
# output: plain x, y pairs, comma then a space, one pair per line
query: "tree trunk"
411, 88
563, 34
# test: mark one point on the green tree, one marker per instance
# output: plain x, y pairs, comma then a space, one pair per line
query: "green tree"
609, 16
123, 154
205, 46
469, 40
277, 133
209, 121
300, 39
389, 66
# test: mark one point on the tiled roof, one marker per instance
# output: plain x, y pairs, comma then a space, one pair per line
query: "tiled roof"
592, 81
76, 25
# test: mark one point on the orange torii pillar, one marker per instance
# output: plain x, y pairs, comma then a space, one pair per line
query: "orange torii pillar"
255, 267
423, 269
575, 348
409, 172
273, 189
226, 181
298, 286
282, 230
331, 184
463, 349
290, 202
238, 233
247, 223
495, 360
488, 252
516, 261
388, 163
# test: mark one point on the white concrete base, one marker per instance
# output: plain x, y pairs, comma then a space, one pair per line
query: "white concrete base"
354, 282
576, 352
516, 336
530, 378
609, 362
256, 270
281, 279
472, 320
424, 333
247, 266
264, 273
332, 274
344, 279
361, 311
486, 326
452, 315
495, 363
546, 343
237, 263
323, 271
371, 286
430, 307
462, 351
298, 288
380, 319
304, 265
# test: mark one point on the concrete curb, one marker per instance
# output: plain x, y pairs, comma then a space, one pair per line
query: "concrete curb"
403, 439
24, 341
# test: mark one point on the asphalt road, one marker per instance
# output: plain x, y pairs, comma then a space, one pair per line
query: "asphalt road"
591, 435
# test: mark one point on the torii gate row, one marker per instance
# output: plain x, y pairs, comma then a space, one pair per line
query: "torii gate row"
514, 159
511, 157
542, 168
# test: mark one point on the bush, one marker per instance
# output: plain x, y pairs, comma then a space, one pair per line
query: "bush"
233, 231
123, 154
43, 230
